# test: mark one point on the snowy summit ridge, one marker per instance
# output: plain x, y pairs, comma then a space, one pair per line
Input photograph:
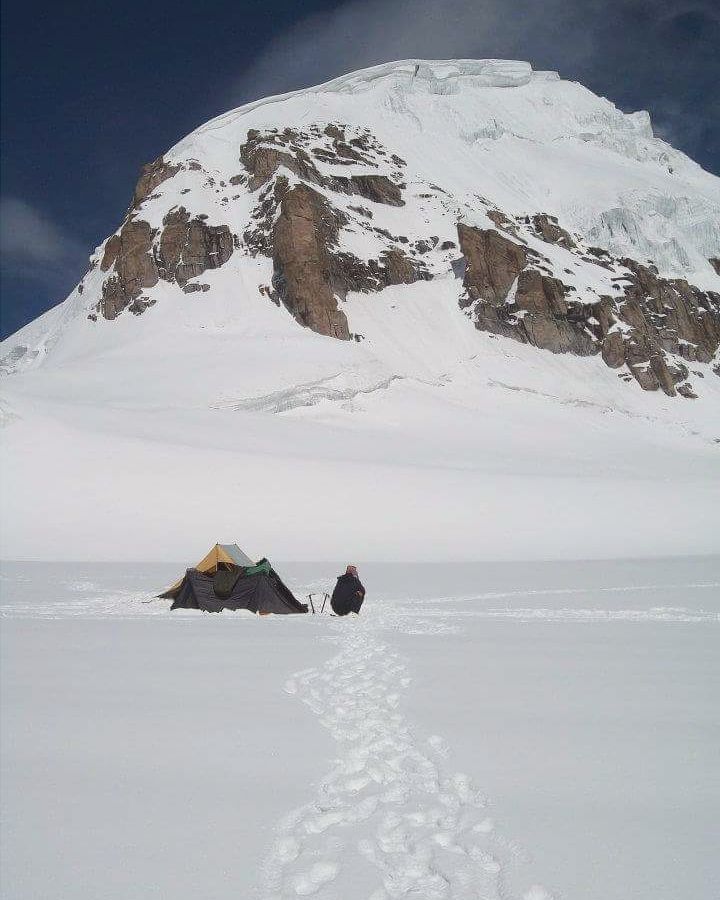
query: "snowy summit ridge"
434, 76
444, 232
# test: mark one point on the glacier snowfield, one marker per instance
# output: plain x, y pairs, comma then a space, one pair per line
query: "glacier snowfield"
497, 730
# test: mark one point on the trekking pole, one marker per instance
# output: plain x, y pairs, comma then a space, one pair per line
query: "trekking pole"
325, 599
312, 606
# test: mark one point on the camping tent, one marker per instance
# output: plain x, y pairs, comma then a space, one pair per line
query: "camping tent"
226, 578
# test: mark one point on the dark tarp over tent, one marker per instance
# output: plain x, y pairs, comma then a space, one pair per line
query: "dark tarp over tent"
227, 579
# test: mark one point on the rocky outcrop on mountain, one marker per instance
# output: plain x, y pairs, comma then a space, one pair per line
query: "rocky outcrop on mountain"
151, 177
310, 273
493, 262
511, 287
715, 263
535, 311
547, 229
140, 256
685, 319
548, 319
129, 254
264, 153
188, 247
397, 268
667, 322
298, 226
652, 328
303, 235
378, 188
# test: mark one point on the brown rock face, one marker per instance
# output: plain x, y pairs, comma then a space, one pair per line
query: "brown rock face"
399, 269
378, 188
613, 350
263, 161
547, 228
649, 367
264, 153
140, 256
298, 227
493, 262
673, 315
715, 263
664, 318
685, 390
537, 314
550, 322
393, 267
613, 342
188, 247
502, 221
655, 322
129, 252
151, 176
303, 272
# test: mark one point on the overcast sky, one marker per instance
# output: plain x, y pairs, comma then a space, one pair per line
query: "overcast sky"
91, 91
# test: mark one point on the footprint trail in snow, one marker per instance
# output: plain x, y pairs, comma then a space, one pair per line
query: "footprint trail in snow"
389, 821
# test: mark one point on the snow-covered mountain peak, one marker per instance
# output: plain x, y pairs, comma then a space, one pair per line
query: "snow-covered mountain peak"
547, 214
471, 295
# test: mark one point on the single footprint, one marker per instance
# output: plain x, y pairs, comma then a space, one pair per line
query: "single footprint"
439, 745
287, 849
537, 892
311, 882
484, 827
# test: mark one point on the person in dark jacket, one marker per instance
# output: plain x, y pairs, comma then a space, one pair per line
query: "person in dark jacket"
349, 593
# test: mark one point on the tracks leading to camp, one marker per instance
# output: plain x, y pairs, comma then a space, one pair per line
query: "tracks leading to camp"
390, 814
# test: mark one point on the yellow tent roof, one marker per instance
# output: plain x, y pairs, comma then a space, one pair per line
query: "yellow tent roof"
220, 553
223, 553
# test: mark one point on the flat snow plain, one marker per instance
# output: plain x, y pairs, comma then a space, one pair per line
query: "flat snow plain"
482, 731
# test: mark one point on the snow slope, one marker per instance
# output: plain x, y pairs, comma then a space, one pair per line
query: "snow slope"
214, 416
539, 731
